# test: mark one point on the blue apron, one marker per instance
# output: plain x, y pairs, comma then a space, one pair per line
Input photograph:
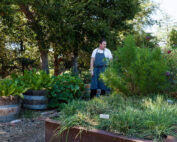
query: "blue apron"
99, 67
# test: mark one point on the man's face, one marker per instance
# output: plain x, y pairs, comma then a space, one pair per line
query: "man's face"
103, 45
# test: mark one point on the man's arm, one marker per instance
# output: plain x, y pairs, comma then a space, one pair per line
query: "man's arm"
91, 65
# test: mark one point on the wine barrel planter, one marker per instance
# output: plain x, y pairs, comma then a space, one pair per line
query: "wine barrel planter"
9, 108
74, 135
35, 99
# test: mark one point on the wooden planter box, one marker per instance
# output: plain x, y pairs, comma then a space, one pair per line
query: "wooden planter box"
87, 136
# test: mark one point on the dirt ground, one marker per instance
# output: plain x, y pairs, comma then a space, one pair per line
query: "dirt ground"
28, 128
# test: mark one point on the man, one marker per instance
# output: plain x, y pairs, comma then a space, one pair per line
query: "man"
97, 66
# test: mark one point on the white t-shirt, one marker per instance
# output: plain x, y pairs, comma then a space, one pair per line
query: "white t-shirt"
107, 53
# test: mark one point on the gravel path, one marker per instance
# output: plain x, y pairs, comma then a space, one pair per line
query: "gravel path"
29, 128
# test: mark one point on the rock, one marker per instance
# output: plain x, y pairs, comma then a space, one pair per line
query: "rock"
170, 101
15, 121
45, 113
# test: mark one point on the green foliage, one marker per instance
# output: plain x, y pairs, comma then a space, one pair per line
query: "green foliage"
141, 118
78, 25
171, 74
143, 18
145, 40
11, 88
65, 89
85, 76
136, 70
173, 38
36, 80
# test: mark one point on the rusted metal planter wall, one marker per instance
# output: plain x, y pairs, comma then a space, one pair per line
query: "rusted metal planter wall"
9, 108
86, 136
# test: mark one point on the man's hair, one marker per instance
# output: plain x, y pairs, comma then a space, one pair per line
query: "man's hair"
102, 40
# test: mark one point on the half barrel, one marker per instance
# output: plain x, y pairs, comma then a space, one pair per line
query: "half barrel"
35, 99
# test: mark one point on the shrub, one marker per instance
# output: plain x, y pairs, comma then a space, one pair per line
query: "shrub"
85, 76
65, 89
171, 73
136, 70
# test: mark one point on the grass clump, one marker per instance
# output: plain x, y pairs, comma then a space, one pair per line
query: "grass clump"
149, 118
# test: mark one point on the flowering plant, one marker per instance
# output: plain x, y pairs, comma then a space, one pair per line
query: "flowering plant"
171, 74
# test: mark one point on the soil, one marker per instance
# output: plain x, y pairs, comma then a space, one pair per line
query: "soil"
28, 128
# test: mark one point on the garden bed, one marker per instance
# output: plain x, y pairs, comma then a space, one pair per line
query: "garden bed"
74, 135
149, 118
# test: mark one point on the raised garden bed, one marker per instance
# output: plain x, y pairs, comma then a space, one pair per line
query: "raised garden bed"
74, 135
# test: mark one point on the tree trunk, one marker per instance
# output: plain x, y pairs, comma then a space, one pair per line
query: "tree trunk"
44, 61
21, 52
3, 68
57, 62
75, 61
56, 65
37, 28
2, 58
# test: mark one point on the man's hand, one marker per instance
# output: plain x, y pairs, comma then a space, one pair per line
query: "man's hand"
92, 73
91, 66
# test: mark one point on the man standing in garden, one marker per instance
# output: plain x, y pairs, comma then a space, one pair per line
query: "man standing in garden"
98, 64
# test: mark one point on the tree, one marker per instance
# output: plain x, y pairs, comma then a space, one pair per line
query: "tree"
73, 26
166, 24
141, 22
143, 18
89, 21
13, 31
173, 38
33, 17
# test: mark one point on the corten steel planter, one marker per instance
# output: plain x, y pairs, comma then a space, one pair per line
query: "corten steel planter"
35, 99
87, 136
9, 108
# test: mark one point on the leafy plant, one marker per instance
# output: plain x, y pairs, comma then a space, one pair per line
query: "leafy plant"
36, 80
11, 88
65, 89
85, 76
136, 70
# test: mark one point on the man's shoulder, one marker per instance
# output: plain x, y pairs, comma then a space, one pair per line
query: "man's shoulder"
107, 50
95, 49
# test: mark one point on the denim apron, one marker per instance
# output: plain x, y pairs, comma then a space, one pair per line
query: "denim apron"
99, 67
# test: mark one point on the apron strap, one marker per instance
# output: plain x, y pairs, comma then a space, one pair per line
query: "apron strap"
103, 52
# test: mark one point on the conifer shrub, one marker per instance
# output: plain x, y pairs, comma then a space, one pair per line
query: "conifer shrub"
138, 71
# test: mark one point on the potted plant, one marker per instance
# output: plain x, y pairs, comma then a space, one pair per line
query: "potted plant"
38, 83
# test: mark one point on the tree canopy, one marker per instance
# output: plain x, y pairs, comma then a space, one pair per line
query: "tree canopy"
68, 27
